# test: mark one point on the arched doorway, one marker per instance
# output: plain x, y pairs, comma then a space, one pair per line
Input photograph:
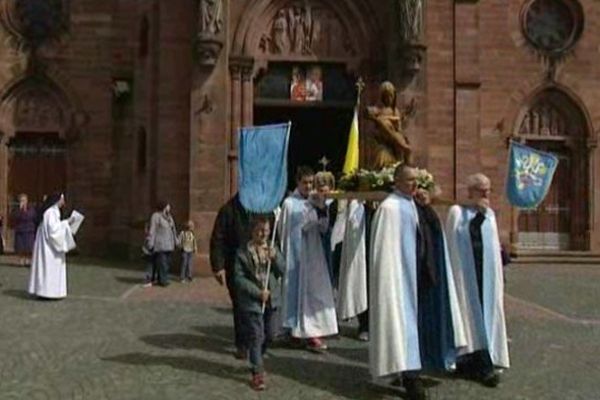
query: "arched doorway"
298, 61
553, 122
36, 123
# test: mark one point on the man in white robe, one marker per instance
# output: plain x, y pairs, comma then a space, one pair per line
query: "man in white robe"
53, 240
476, 258
352, 289
308, 308
399, 288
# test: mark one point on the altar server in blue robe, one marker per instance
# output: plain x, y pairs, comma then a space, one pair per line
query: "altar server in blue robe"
476, 258
308, 309
415, 320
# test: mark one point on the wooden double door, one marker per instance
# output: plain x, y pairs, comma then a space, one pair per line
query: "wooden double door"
37, 166
555, 223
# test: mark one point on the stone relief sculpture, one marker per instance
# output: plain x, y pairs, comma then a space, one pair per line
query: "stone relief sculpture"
210, 16
37, 113
302, 29
280, 34
543, 119
411, 19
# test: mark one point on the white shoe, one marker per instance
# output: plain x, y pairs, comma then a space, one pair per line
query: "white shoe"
363, 336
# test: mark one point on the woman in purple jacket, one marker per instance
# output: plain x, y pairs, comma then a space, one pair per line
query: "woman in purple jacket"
24, 220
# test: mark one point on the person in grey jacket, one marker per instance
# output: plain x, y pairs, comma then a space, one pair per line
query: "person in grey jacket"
249, 279
162, 240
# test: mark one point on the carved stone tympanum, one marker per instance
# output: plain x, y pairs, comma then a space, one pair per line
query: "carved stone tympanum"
36, 111
306, 29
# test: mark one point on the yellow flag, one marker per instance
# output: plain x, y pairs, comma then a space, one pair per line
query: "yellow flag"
352, 153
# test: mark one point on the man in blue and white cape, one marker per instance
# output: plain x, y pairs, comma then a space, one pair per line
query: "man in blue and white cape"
476, 258
415, 320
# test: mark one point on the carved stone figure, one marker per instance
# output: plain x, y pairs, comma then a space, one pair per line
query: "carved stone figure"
393, 145
535, 122
280, 36
34, 113
411, 19
302, 28
525, 125
210, 16
545, 129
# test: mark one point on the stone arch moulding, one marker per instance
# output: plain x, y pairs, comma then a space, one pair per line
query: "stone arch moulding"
522, 102
37, 102
357, 21
552, 113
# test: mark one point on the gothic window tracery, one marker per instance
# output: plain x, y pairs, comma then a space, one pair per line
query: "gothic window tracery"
552, 26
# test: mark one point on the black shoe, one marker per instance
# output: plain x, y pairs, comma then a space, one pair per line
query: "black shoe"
491, 379
415, 389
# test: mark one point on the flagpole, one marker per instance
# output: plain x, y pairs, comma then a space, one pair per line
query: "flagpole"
360, 86
274, 228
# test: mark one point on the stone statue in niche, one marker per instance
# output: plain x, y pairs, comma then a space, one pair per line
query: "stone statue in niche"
556, 123
280, 35
535, 123
392, 144
526, 125
295, 29
210, 16
411, 19
300, 24
545, 129
37, 113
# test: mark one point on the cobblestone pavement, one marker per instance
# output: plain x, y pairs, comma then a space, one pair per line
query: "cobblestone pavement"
111, 339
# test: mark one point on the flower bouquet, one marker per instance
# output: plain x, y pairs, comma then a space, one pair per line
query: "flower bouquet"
364, 180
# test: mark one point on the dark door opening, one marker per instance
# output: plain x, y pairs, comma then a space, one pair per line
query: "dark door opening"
316, 132
36, 165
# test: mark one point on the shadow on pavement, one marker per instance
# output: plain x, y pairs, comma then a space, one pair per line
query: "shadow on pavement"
219, 333
18, 294
339, 380
223, 310
349, 381
187, 342
193, 364
129, 280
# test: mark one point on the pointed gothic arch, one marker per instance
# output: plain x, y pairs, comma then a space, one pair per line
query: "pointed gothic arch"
554, 120
345, 33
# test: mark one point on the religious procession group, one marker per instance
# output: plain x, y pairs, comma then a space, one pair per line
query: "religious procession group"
434, 298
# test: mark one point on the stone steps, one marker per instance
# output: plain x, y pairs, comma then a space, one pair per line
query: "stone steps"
556, 257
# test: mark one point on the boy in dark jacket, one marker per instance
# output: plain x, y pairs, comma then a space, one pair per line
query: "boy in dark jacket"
252, 292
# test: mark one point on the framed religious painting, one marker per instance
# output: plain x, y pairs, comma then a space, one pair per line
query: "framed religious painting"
306, 83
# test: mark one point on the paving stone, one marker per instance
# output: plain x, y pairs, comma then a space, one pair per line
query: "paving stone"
112, 340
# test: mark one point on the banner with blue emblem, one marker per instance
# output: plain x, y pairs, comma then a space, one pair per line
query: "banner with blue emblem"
530, 173
262, 165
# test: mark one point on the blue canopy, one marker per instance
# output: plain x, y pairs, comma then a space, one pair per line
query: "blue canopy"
262, 177
530, 173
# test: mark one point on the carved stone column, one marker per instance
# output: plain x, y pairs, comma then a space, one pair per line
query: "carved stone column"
236, 122
247, 93
242, 103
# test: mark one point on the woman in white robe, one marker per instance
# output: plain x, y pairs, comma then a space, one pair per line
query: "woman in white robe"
53, 240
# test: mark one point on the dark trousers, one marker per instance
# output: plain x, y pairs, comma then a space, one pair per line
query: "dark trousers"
478, 362
258, 336
150, 268
163, 262
238, 326
186, 265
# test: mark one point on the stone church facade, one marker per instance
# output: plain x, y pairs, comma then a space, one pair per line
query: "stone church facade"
127, 102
